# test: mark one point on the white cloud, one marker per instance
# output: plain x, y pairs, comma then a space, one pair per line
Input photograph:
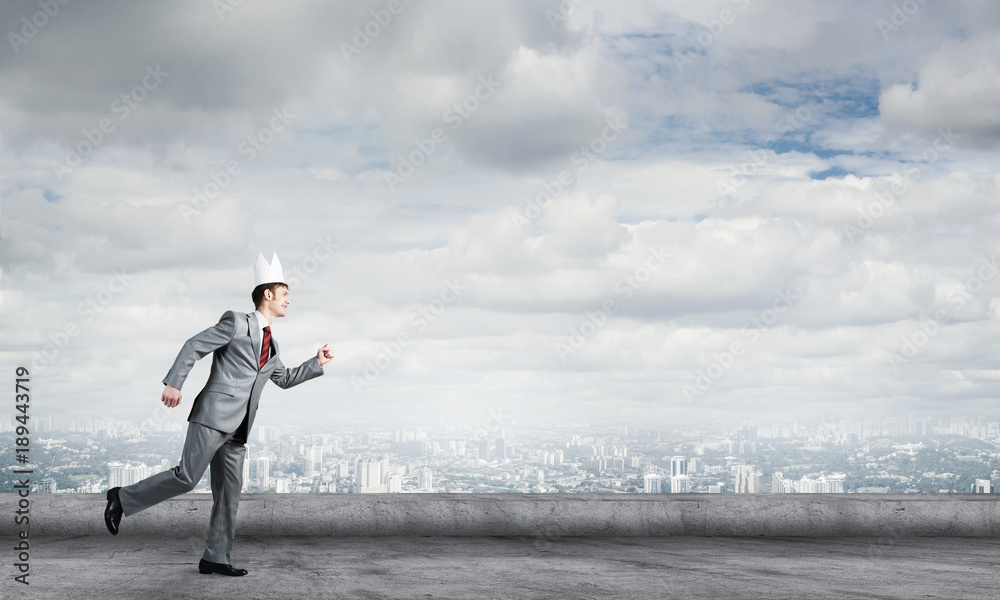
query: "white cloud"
654, 190
957, 89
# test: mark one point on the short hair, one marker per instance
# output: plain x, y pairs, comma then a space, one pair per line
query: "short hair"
258, 292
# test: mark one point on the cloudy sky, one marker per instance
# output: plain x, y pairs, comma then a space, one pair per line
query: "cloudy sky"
580, 210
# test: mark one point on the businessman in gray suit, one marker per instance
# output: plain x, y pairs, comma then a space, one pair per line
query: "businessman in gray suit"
245, 357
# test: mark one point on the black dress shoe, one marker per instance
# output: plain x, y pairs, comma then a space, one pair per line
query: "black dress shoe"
205, 567
113, 512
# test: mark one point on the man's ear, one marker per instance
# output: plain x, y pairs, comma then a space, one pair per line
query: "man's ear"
268, 295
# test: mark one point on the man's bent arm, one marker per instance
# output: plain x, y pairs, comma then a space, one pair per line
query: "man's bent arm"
198, 346
286, 378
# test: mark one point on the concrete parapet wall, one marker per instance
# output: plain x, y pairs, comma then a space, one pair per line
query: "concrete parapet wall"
535, 515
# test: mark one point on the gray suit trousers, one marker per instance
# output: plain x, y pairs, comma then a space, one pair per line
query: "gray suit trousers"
203, 446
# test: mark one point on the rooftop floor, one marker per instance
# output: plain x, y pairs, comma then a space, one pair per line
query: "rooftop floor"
102, 566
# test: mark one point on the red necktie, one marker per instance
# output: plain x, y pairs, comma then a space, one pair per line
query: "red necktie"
265, 346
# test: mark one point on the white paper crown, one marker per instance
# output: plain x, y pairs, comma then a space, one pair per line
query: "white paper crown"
267, 273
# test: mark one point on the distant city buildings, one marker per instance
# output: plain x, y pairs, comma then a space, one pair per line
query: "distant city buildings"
825, 484
46, 486
748, 480
875, 455
123, 474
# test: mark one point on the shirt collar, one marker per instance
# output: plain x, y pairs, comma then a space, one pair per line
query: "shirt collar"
261, 321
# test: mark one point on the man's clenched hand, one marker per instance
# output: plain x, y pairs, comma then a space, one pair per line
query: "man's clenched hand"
171, 396
325, 354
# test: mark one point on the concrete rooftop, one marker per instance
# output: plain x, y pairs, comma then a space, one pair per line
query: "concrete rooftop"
379, 546
89, 567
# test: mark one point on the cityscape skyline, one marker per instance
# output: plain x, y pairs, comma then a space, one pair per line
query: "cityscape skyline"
871, 455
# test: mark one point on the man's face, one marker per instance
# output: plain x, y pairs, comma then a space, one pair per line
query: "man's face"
279, 301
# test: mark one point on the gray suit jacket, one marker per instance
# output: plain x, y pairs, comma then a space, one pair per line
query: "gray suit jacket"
236, 381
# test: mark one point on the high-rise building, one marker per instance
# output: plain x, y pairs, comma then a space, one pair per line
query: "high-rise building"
282, 485
982, 486
267, 433
394, 483
424, 480
383, 465
369, 477
314, 461
678, 466
46, 486
118, 475
262, 472
484, 449
680, 484
652, 484
746, 440
748, 480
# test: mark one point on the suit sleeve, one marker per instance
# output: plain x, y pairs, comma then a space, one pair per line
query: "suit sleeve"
286, 378
198, 346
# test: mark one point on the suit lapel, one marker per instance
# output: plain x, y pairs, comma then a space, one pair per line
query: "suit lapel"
254, 339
